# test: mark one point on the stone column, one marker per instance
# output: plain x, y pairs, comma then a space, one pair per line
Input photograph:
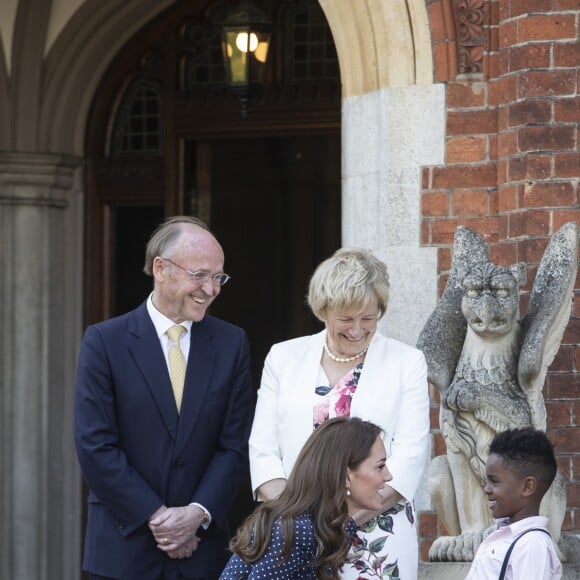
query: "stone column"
40, 301
388, 135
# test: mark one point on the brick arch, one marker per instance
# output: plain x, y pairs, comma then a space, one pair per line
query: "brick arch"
380, 44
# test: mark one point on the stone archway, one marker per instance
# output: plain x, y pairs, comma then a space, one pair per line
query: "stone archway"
380, 44
76, 62
393, 122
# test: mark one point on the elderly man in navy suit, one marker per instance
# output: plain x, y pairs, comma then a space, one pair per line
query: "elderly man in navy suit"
164, 455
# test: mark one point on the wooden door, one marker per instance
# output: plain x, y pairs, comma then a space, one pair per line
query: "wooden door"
275, 208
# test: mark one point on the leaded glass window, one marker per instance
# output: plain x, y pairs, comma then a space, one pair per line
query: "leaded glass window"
138, 124
309, 48
203, 64
138, 127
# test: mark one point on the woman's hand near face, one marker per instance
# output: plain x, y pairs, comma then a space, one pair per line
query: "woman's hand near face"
390, 498
271, 489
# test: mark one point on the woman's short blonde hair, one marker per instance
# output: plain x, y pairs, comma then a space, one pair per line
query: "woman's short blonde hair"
350, 278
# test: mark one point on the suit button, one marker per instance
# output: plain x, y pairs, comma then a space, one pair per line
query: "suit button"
178, 464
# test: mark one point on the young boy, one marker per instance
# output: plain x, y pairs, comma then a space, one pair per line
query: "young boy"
520, 468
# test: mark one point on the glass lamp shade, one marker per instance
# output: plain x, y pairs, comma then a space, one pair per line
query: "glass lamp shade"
245, 41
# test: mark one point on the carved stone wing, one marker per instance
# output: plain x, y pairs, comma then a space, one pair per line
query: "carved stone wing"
547, 316
442, 337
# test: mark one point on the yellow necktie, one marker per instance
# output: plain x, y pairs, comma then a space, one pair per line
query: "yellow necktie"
176, 363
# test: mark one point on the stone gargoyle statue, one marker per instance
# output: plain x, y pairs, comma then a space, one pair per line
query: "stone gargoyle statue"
489, 366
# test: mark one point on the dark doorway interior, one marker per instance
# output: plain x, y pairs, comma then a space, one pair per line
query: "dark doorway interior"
131, 228
275, 207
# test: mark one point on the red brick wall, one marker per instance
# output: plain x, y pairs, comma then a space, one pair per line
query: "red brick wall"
512, 173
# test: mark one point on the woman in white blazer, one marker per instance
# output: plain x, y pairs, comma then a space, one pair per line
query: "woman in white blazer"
349, 369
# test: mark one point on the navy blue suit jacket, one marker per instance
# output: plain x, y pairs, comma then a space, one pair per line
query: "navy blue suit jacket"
137, 453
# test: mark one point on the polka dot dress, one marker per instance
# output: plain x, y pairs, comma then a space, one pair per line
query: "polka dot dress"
299, 564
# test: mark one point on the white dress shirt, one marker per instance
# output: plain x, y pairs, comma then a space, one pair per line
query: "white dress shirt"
162, 325
533, 557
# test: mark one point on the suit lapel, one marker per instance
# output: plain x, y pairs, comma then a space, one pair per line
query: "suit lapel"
197, 379
145, 348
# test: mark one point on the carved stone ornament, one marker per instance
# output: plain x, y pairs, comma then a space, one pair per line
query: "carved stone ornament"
471, 40
490, 366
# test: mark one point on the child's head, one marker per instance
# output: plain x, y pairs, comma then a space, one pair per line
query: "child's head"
520, 468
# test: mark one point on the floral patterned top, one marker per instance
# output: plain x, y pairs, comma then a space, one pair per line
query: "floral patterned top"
335, 401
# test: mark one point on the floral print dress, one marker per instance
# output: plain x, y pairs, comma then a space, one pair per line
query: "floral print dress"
378, 545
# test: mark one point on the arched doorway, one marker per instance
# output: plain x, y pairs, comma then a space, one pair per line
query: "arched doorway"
165, 136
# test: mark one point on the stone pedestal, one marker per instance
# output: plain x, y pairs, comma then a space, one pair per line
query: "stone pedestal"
39, 483
443, 571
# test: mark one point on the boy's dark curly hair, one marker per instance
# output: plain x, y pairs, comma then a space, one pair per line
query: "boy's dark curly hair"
528, 452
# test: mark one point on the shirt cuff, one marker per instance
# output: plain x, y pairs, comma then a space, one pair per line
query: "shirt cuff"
205, 523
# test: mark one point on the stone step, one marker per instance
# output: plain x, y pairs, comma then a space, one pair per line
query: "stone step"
458, 571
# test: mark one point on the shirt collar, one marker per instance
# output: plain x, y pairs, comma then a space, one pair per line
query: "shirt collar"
160, 321
521, 525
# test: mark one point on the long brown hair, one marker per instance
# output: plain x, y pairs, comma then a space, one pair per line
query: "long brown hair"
317, 486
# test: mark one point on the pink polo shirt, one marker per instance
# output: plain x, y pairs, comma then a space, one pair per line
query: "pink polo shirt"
534, 555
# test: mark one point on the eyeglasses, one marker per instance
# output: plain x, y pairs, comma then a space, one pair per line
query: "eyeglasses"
201, 276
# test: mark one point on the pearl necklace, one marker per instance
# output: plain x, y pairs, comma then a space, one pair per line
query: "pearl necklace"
344, 360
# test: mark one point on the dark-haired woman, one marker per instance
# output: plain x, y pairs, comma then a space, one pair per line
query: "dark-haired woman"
306, 533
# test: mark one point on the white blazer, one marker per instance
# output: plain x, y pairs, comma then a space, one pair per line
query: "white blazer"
392, 393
